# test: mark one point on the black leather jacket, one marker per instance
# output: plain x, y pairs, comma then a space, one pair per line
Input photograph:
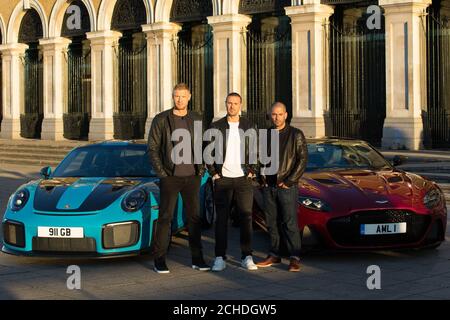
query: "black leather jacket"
160, 143
293, 158
223, 126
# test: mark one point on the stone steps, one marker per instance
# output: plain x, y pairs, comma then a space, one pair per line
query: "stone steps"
30, 162
35, 152
33, 155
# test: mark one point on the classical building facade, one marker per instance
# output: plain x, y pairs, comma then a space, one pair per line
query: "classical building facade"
102, 69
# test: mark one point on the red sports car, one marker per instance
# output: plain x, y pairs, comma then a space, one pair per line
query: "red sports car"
351, 197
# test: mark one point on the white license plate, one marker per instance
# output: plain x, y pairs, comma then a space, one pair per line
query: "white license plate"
384, 228
60, 232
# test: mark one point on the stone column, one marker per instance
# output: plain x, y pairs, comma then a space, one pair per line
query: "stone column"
230, 58
309, 66
161, 67
104, 77
13, 89
405, 73
55, 89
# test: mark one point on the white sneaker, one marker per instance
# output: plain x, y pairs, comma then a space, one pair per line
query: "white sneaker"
219, 264
248, 263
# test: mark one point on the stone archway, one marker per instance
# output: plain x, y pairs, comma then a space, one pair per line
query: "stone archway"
58, 14
163, 10
15, 21
2, 31
106, 12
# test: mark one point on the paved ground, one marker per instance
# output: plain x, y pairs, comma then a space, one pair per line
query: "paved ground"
404, 275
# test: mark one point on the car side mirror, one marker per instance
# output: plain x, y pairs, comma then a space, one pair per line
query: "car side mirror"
399, 160
46, 172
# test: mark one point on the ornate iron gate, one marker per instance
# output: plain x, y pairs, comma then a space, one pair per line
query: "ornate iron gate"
437, 115
32, 113
195, 67
77, 115
269, 67
31, 119
131, 113
357, 80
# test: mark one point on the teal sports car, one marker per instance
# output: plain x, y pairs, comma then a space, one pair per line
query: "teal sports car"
102, 200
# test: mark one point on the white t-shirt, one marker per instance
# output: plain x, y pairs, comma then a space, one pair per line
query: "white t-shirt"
232, 167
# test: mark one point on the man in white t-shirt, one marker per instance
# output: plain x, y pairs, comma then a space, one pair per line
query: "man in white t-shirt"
233, 182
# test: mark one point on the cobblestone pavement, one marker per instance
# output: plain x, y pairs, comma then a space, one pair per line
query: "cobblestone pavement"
408, 274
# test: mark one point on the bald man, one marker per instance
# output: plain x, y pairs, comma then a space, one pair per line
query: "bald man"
281, 190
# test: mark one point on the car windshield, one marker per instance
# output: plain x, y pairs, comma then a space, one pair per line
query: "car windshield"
338, 155
106, 161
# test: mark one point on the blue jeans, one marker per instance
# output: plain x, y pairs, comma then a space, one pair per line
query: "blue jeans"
280, 208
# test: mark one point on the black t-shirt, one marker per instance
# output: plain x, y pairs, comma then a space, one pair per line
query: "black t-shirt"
184, 169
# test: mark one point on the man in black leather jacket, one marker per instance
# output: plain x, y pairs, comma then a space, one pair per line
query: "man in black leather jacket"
177, 176
281, 190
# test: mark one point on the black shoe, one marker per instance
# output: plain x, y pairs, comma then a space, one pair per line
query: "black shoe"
200, 265
160, 266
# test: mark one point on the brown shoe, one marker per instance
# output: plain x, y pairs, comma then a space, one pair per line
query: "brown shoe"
268, 262
294, 265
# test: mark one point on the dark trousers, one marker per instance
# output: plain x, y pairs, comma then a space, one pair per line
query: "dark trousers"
241, 190
189, 187
280, 208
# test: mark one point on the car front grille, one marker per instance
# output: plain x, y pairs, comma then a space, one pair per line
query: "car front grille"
61, 245
345, 231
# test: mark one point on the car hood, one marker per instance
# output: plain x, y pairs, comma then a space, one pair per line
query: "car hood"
69, 195
348, 190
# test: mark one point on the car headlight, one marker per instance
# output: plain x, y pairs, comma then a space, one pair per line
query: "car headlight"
314, 204
134, 201
432, 199
20, 199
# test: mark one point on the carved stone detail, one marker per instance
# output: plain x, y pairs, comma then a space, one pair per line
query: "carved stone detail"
262, 6
128, 15
190, 10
